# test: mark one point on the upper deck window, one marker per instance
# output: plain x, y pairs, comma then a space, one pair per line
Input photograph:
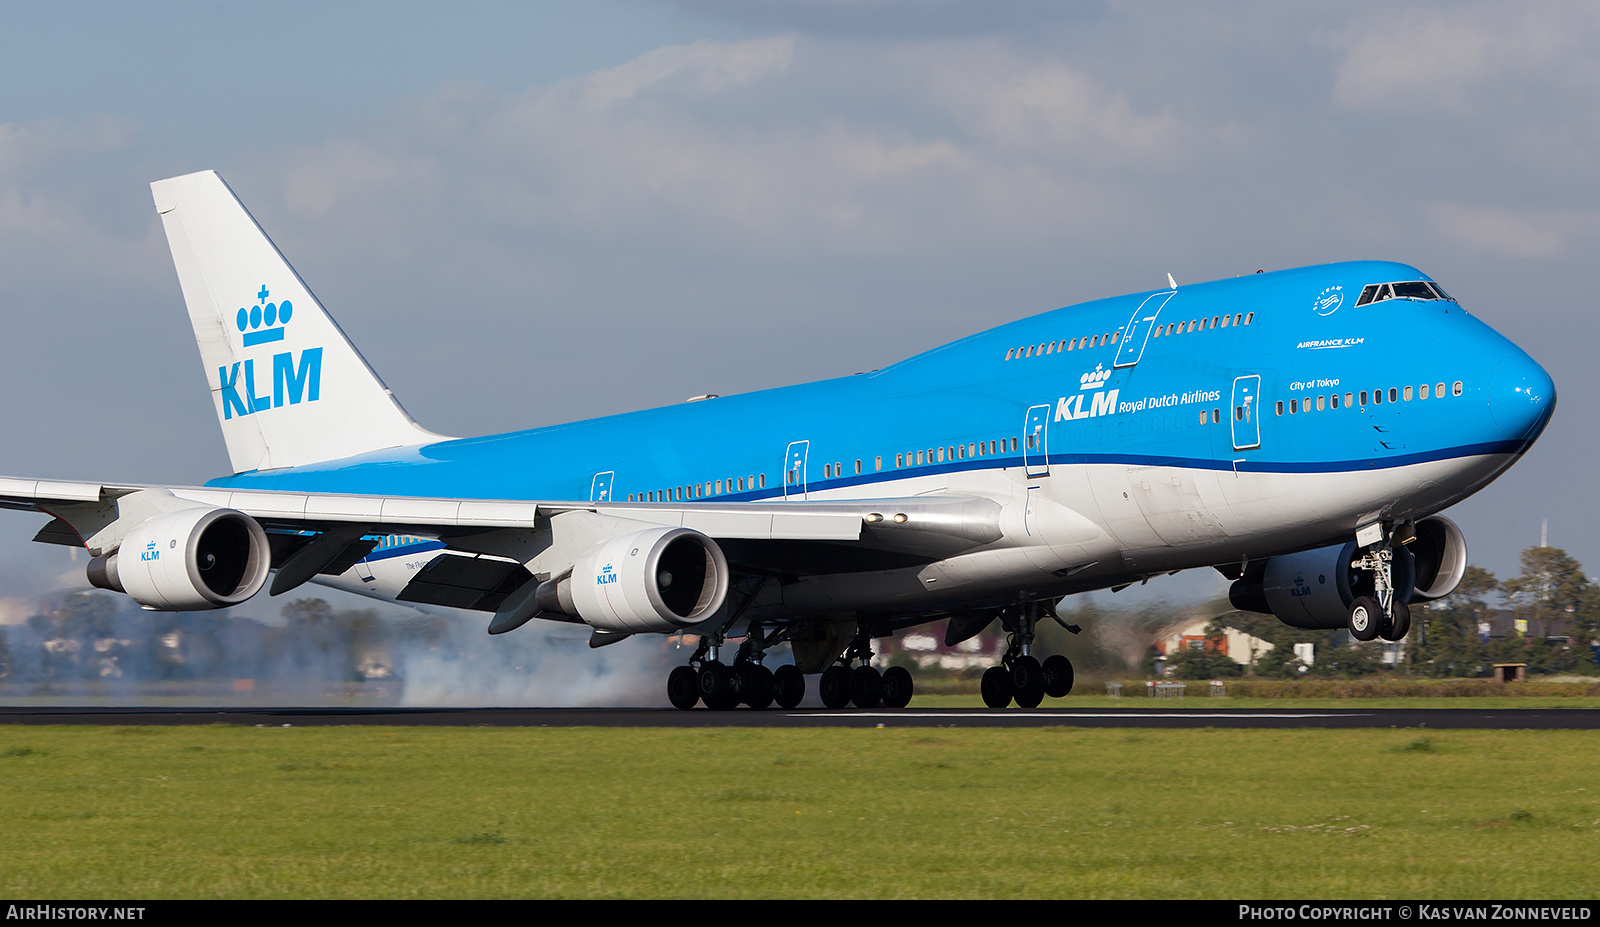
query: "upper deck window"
1410, 289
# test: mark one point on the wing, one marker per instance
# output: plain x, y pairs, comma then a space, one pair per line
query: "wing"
482, 551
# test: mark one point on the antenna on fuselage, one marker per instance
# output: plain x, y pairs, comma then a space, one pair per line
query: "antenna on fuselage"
1171, 282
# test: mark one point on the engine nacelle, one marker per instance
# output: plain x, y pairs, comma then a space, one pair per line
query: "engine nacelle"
1313, 589
1440, 551
658, 579
189, 560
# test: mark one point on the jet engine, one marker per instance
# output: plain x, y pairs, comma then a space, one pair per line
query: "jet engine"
1313, 589
658, 579
188, 560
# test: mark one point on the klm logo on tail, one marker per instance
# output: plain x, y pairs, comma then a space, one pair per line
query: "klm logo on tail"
293, 382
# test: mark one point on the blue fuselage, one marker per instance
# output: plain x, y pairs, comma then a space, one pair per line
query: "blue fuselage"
1279, 372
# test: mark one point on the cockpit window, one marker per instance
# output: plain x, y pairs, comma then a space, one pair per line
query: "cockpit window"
1410, 289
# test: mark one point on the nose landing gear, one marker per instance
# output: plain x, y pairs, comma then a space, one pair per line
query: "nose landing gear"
1385, 613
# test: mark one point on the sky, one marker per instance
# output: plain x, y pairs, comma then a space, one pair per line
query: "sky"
528, 213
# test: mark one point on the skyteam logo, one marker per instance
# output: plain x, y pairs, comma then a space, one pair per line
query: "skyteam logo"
264, 322
292, 381
1329, 301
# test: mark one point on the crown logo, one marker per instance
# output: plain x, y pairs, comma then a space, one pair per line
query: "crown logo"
1095, 378
264, 322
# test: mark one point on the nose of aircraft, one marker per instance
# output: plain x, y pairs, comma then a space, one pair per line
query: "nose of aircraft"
1521, 397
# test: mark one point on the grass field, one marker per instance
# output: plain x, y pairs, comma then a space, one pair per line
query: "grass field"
230, 812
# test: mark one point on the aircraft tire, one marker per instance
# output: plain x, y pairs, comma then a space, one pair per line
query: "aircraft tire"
1058, 676
866, 687
834, 687
788, 685
897, 687
716, 687
1027, 682
1400, 625
1366, 617
683, 688
996, 687
755, 685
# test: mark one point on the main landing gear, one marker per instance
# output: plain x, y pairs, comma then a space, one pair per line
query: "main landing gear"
1384, 613
746, 682
863, 686
1020, 676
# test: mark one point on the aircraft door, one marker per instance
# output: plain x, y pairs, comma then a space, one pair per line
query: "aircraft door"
1137, 331
1246, 419
794, 470
1036, 441
600, 488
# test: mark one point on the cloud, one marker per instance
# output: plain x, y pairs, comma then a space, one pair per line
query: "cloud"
1520, 233
1463, 59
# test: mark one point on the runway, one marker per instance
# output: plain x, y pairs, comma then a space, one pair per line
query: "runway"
1434, 718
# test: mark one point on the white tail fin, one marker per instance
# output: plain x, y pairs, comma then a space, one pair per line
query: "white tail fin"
289, 387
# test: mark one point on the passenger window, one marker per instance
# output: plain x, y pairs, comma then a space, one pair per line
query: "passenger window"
1216, 416
1363, 397
1336, 400
1294, 408
1406, 395
1322, 403
1225, 320
1280, 407
1115, 337
761, 481
1377, 397
1422, 391
1238, 319
1394, 394
1010, 352
1456, 389
1349, 400
941, 455
1248, 317
1438, 390
899, 461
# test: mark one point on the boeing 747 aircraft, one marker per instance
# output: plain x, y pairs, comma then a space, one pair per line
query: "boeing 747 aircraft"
1298, 431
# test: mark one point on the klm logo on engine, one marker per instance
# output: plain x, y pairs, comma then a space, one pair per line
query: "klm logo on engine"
293, 380
150, 552
605, 577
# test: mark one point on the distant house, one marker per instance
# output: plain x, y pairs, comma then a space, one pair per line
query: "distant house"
1236, 645
927, 648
